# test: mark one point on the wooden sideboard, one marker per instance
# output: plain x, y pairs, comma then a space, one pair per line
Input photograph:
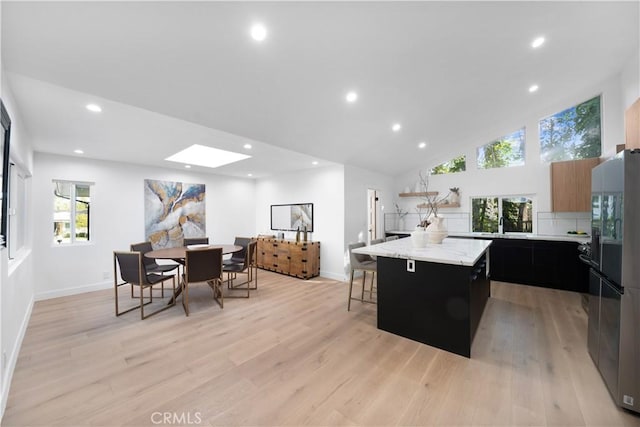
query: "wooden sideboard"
299, 259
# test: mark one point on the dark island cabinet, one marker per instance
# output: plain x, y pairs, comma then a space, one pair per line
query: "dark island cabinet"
551, 264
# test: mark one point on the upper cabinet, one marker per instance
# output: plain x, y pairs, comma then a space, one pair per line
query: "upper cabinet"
571, 185
632, 125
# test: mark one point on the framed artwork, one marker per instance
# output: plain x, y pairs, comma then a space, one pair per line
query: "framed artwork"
291, 217
173, 211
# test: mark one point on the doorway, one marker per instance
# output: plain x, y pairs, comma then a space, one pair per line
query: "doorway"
373, 214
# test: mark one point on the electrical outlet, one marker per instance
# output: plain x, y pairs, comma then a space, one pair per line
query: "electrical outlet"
411, 266
628, 400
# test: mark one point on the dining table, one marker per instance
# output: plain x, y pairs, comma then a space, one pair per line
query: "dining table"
179, 253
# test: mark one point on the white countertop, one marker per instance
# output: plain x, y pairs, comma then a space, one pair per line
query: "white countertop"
557, 238
450, 251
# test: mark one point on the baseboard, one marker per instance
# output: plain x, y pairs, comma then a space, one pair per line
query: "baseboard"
107, 284
333, 276
13, 358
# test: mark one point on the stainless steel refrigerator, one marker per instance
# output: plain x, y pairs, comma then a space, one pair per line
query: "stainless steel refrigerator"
614, 279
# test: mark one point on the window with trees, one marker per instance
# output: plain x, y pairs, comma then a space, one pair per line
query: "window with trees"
572, 134
515, 213
71, 212
459, 164
503, 152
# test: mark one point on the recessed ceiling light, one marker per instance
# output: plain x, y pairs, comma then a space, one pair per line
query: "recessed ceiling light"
258, 32
206, 156
422, 144
247, 146
94, 108
187, 166
533, 88
78, 151
539, 41
396, 127
249, 174
315, 162
352, 97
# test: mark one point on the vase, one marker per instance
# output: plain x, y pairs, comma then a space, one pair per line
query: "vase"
419, 237
400, 224
454, 198
436, 231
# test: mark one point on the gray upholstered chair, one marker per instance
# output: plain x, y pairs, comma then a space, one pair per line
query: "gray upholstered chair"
202, 265
390, 238
376, 241
364, 263
195, 241
133, 273
150, 265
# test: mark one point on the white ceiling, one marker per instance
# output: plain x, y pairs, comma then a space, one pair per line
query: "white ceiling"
171, 74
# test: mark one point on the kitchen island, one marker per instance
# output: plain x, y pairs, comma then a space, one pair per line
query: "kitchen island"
435, 295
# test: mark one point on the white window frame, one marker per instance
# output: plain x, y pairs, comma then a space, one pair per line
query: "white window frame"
72, 213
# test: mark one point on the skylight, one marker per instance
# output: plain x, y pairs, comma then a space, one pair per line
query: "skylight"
209, 157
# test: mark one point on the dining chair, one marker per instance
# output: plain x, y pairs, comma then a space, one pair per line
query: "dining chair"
202, 265
390, 238
150, 265
195, 241
248, 266
376, 241
364, 263
133, 273
239, 256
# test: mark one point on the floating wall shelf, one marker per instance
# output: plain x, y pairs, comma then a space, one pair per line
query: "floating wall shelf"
419, 194
440, 205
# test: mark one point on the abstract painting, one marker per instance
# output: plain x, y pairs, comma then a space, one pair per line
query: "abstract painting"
173, 211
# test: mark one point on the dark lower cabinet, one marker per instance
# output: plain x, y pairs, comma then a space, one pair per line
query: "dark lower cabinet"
551, 264
437, 304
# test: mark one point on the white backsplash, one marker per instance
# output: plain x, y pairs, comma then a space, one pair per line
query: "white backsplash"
559, 223
549, 223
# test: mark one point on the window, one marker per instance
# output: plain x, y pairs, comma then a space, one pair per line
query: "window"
71, 212
572, 134
459, 164
504, 152
516, 214
18, 196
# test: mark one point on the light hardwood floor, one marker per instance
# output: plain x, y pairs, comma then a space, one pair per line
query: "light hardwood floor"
293, 355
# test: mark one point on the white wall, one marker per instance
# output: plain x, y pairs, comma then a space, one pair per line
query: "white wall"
534, 178
117, 211
16, 276
324, 187
357, 182
630, 81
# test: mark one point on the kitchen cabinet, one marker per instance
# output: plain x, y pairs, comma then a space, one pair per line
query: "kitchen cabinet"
549, 264
571, 185
632, 125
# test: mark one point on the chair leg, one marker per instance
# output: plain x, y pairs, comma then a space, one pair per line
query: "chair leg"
217, 285
373, 276
185, 297
364, 279
350, 290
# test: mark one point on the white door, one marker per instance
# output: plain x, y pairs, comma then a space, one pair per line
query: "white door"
372, 214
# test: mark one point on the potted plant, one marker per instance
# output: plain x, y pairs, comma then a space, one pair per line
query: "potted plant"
454, 195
